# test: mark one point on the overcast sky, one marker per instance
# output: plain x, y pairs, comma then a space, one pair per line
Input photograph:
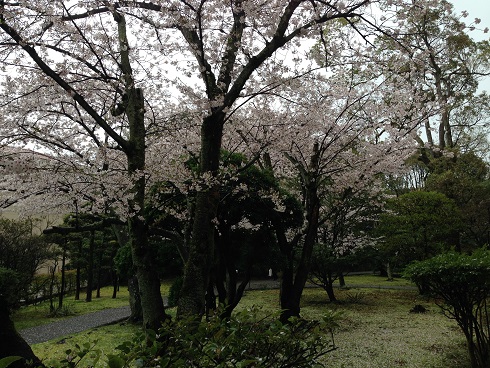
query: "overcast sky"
476, 9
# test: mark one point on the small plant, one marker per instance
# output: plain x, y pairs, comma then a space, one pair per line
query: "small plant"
76, 355
357, 298
61, 312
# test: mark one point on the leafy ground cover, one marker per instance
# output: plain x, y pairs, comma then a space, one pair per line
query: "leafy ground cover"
376, 330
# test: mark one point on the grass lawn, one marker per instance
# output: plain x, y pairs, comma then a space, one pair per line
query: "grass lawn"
375, 281
376, 330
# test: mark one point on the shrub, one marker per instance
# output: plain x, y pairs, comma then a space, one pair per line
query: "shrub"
245, 340
463, 283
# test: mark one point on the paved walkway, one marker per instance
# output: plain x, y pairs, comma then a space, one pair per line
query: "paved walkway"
38, 334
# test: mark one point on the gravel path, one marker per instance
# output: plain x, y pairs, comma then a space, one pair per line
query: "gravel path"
38, 334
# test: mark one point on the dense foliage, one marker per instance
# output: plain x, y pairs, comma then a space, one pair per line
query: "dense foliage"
21, 255
416, 226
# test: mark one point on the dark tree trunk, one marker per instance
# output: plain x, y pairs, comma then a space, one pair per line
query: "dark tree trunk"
11, 343
328, 286
210, 298
52, 281
148, 280
329, 289
135, 150
63, 281
78, 277
99, 271
230, 295
292, 287
341, 279
287, 291
115, 283
90, 267
134, 300
201, 252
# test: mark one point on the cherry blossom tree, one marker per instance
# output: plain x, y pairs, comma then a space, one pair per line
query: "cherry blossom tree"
334, 137
98, 85
443, 64
231, 46
69, 89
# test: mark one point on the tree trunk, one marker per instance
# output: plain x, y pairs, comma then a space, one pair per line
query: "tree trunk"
286, 296
78, 277
143, 260
197, 267
99, 269
341, 279
90, 267
134, 300
291, 295
63, 281
148, 280
201, 252
133, 105
115, 283
52, 281
11, 343
389, 272
330, 292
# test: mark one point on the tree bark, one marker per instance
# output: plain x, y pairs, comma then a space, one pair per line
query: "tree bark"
90, 267
135, 150
201, 252
134, 300
330, 292
292, 287
79, 271
63, 275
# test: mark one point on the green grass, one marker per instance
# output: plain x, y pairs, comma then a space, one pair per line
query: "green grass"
375, 281
102, 339
376, 329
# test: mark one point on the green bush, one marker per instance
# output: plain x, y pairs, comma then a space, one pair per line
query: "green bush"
245, 340
463, 283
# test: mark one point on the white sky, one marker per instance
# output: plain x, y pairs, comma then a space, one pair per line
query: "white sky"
476, 9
